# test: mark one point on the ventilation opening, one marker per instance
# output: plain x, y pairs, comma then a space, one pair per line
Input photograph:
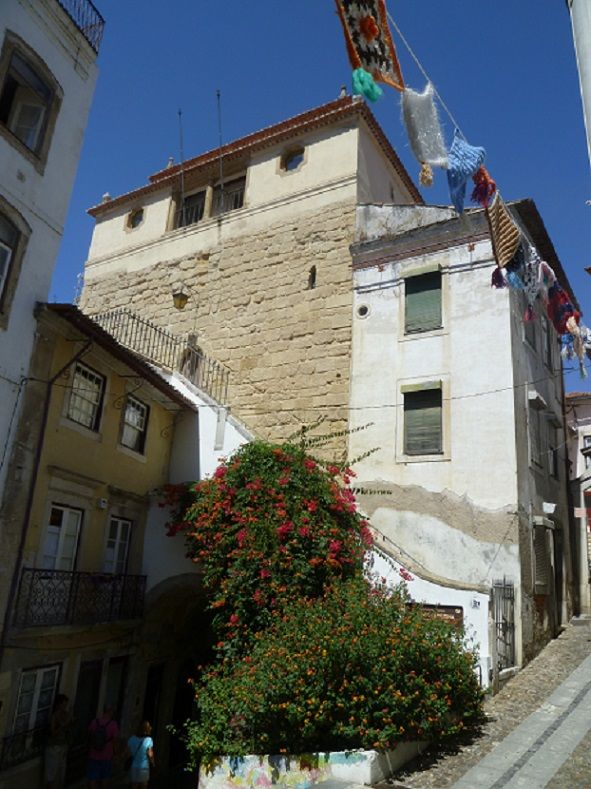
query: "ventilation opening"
312, 278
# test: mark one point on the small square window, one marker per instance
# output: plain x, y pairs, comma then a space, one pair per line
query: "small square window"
135, 424
291, 160
25, 102
135, 218
86, 398
422, 302
423, 428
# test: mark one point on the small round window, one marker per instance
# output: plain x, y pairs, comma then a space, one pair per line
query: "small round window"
292, 160
362, 311
135, 218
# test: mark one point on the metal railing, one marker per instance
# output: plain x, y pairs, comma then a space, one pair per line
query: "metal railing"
61, 597
503, 596
87, 19
166, 350
22, 746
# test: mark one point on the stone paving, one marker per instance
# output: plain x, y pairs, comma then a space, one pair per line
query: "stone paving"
521, 697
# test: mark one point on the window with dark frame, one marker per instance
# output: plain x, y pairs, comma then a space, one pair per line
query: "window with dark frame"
423, 423
25, 102
9, 237
135, 424
135, 218
86, 397
233, 196
422, 302
192, 209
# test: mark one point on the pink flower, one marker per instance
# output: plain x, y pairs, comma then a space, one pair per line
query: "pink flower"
335, 546
304, 531
405, 574
241, 537
234, 619
366, 536
265, 573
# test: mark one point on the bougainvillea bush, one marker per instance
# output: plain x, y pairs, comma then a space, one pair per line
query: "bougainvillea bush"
272, 524
309, 656
356, 668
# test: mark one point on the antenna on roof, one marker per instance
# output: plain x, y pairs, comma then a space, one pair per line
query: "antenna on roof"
182, 158
222, 196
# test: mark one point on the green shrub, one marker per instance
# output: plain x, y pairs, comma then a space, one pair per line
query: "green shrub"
356, 668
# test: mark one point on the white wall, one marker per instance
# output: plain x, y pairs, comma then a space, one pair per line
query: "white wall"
473, 604
195, 455
378, 180
41, 198
471, 354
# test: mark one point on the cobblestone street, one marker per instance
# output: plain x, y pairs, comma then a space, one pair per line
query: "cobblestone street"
529, 691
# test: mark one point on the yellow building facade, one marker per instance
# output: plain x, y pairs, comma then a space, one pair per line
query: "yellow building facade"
92, 447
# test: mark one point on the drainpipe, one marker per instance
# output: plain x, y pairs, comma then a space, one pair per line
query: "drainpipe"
36, 463
580, 13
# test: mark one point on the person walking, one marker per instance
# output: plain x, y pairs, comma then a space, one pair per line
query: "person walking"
56, 748
103, 733
141, 752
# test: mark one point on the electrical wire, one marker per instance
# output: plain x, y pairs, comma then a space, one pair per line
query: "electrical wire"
424, 73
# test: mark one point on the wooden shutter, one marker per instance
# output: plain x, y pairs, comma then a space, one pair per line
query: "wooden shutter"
422, 310
422, 422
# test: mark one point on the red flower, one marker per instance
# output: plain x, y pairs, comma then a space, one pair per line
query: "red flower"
304, 531
309, 464
405, 574
284, 529
265, 573
220, 472
234, 619
241, 537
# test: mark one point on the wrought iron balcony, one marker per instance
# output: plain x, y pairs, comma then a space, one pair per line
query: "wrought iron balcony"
166, 350
22, 746
59, 597
87, 19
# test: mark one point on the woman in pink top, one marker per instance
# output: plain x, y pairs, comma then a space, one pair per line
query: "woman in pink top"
103, 733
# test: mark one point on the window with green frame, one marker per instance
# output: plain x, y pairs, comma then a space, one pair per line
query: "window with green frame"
423, 424
422, 302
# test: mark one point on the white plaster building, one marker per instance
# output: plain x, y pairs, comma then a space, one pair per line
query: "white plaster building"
465, 406
48, 51
578, 416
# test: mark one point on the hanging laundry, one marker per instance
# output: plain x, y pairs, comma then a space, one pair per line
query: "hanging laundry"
530, 277
560, 308
368, 39
504, 233
365, 85
484, 187
421, 121
463, 161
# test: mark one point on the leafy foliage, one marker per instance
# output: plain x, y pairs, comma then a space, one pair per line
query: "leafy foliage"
309, 655
356, 668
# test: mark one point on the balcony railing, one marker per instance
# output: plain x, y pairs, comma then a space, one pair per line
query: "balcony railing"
87, 19
60, 597
18, 748
166, 350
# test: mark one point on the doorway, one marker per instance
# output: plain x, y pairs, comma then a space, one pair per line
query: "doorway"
84, 711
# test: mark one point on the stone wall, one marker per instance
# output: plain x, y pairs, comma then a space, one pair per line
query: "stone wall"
287, 344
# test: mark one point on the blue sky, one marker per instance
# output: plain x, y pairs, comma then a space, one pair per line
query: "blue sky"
505, 69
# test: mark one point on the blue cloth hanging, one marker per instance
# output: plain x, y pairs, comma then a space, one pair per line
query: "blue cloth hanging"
464, 161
